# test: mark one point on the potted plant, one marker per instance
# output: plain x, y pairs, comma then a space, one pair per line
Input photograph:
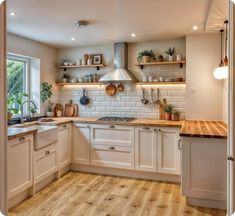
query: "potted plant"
145, 56
175, 115
168, 109
65, 78
14, 102
46, 92
170, 52
50, 109
32, 111
161, 58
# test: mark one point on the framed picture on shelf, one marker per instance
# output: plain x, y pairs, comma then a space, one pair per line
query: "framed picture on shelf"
97, 59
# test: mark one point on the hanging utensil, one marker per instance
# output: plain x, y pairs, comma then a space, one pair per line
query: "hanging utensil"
144, 100
84, 100
152, 100
158, 96
111, 89
120, 87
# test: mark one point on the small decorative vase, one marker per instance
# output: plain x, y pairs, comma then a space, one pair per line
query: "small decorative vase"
89, 61
170, 58
178, 57
167, 116
9, 116
146, 59
78, 62
65, 80
84, 61
175, 117
50, 114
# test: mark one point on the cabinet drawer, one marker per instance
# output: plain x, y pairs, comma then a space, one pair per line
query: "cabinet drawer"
64, 127
46, 163
112, 135
112, 156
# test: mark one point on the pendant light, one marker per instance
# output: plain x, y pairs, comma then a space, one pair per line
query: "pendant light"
221, 72
226, 44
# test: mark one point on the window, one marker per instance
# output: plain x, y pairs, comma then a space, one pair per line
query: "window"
17, 83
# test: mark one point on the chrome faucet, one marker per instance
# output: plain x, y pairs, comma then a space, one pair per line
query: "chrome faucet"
22, 110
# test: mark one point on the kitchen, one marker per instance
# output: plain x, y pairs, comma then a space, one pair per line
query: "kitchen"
110, 116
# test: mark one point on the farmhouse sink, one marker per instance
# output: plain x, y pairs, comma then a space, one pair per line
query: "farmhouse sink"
45, 136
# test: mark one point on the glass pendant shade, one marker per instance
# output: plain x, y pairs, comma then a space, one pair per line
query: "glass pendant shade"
221, 72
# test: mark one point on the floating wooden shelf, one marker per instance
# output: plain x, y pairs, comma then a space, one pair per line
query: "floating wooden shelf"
160, 83
72, 84
81, 66
181, 63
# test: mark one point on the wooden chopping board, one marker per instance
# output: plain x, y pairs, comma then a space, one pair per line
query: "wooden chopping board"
58, 110
71, 110
162, 108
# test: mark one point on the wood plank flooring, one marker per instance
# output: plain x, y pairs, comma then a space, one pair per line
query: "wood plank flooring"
77, 194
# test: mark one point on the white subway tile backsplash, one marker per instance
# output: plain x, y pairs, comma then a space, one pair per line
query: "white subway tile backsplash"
127, 103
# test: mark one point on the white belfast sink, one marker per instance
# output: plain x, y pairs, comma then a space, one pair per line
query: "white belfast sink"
46, 135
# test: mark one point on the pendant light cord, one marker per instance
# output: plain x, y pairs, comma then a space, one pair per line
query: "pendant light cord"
221, 48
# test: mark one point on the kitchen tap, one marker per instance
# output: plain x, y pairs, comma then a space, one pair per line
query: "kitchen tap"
22, 111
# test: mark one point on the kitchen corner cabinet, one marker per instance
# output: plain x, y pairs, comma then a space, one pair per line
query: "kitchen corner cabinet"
112, 146
145, 149
81, 143
20, 164
65, 144
168, 151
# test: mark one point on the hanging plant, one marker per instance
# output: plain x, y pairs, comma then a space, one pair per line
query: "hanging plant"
46, 92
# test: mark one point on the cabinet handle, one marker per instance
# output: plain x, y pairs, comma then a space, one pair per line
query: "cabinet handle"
64, 126
179, 144
155, 129
21, 139
230, 158
159, 130
88, 126
112, 126
47, 152
112, 148
146, 128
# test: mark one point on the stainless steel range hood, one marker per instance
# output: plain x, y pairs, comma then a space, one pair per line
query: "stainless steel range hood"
120, 72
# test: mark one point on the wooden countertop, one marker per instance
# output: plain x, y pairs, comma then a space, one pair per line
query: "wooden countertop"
189, 128
206, 129
18, 132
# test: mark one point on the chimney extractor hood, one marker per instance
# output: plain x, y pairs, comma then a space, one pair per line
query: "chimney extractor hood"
120, 72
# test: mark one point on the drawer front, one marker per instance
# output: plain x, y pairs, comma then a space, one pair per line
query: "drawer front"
64, 127
46, 163
112, 135
112, 156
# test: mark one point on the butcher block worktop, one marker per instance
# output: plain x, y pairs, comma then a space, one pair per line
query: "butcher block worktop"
18, 132
205, 129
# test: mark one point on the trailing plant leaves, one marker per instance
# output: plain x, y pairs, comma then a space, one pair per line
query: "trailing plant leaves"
46, 92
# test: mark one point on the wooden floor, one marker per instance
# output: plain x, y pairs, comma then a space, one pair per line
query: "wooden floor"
95, 195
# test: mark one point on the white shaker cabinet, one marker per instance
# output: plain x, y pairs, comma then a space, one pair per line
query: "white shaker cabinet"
168, 157
145, 149
65, 144
81, 143
20, 164
112, 146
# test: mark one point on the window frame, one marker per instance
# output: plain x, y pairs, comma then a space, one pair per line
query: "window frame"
26, 79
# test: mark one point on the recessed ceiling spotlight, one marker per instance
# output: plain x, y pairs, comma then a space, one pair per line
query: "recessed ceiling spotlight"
195, 27
133, 35
12, 13
82, 23
72, 39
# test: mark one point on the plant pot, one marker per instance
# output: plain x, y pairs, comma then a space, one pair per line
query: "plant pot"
170, 58
9, 116
146, 59
167, 116
50, 114
175, 117
64, 80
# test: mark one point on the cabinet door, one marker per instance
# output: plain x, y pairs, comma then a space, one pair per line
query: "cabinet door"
65, 145
81, 142
145, 149
168, 152
20, 168
46, 162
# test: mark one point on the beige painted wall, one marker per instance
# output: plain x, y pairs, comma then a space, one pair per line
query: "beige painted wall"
48, 56
204, 94
225, 101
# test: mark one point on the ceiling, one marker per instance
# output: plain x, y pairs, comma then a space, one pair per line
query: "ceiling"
53, 21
